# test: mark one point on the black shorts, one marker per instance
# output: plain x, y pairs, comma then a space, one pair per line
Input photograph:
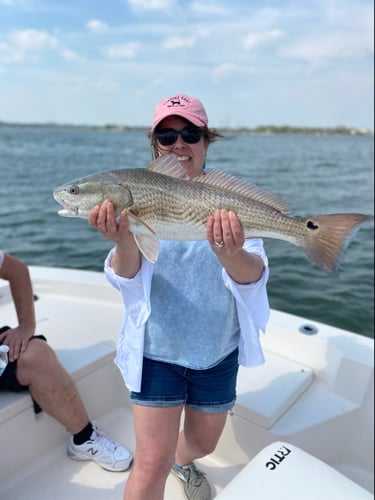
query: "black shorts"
8, 380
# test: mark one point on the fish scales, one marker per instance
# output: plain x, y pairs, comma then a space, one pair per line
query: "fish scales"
163, 204
191, 203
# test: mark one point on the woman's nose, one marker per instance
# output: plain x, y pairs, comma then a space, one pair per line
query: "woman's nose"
180, 142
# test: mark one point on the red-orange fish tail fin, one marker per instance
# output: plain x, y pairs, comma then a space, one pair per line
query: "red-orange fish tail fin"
328, 236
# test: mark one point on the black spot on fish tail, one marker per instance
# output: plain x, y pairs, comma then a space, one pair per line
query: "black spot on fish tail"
311, 225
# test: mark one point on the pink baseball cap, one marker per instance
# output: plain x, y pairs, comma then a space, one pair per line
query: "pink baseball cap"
186, 106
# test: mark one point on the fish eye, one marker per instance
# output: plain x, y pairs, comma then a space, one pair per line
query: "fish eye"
74, 190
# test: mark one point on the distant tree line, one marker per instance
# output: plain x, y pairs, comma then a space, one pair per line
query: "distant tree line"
261, 129
288, 129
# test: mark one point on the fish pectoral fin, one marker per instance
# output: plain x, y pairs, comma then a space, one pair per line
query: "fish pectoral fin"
169, 165
137, 221
149, 246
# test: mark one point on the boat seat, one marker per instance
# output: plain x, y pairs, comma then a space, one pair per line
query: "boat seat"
265, 392
282, 471
12, 403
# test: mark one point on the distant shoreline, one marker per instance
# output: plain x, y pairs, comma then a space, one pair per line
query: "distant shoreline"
261, 130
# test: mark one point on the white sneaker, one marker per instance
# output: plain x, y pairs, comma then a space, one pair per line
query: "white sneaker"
102, 450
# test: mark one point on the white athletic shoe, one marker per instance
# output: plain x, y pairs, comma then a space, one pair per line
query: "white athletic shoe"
102, 450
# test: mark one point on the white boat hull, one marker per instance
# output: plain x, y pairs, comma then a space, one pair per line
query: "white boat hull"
314, 392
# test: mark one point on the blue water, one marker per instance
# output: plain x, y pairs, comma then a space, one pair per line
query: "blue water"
314, 174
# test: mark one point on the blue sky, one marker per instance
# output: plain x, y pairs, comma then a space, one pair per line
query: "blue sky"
302, 63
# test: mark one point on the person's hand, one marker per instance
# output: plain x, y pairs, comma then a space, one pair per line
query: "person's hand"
126, 260
103, 218
17, 340
224, 232
226, 237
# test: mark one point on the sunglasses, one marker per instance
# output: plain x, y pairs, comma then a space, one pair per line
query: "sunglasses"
168, 136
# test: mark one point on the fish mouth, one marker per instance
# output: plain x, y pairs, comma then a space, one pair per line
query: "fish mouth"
69, 210
72, 211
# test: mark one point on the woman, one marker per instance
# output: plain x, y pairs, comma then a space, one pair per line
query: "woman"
190, 318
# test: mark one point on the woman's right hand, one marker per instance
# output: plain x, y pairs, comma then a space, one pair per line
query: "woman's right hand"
126, 260
103, 218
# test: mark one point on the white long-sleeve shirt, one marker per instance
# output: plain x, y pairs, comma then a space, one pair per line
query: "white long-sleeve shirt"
251, 302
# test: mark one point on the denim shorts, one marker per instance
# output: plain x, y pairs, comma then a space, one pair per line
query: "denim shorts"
166, 385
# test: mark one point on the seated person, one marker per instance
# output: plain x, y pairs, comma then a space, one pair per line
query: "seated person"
33, 366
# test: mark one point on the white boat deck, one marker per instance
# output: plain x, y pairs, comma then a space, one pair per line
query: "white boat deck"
55, 476
315, 392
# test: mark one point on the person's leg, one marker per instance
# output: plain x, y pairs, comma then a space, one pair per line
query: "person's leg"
55, 392
156, 432
211, 393
51, 386
199, 436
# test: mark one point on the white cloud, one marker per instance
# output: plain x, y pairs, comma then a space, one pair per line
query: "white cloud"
178, 42
152, 4
19, 43
253, 40
69, 55
342, 31
207, 8
320, 50
243, 46
97, 25
104, 85
122, 51
9, 55
223, 71
82, 84
31, 39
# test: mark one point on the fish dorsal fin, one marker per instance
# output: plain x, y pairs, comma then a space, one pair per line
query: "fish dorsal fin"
169, 165
226, 182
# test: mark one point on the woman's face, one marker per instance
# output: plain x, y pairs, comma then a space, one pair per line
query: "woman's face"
191, 156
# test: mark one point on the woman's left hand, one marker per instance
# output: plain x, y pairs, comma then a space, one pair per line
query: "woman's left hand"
224, 232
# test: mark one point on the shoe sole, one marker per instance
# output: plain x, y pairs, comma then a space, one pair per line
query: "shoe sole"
84, 458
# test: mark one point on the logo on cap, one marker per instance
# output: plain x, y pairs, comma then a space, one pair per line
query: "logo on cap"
177, 101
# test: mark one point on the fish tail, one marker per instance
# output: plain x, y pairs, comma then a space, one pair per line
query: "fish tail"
328, 236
